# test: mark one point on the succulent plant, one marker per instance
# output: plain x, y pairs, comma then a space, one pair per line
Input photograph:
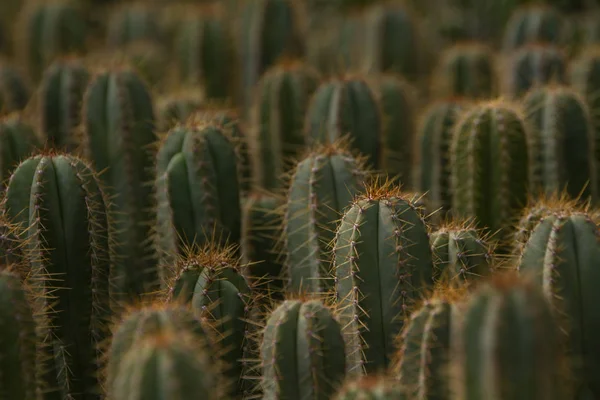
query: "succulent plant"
18, 140
132, 23
534, 24
176, 108
14, 93
375, 387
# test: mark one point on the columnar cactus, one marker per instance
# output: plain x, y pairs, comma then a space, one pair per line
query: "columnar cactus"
372, 387
61, 95
465, 70
564, 140
205, 55
18, 344
560, 255
302, 352
490, 158
534, 24
58, 198
278, 118
14, 93
132, 23
177, 108
18, 141
322, 185
343, 107
13, 245
197, 189
382, 266
434, 141
494, 352
118, 119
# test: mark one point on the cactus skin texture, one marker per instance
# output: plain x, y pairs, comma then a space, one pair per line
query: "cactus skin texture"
197, 189
14, 93
176, 109
205, 55
59, 199
490, 156
62, 88
18, 344
465, 70
532, 66
166, 366
12, 248
132, 23
561, 256
372, 388
434, 140
322, 185
461, 254
278, 117
564, 139
17, 141
346, 107
118, 120
496, 347
302, 352
537, 24
382, 265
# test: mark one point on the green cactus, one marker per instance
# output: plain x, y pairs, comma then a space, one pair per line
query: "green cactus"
343, 107
61, 94
434, 139
382, 266
13, 245
278, 117
166, 366
118, 119
490, 165
497, 348
197, 189
350, 45
534, 24
322, 185
176, 108
465, 70
302, 352
560, 256
564, 140
18, 344
533, 66
14, 93
132, 23
18, 140
205, 55
59, 200
373, 387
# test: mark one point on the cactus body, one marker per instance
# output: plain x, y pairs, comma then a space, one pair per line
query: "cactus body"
118, 118
14, 94
62, 89
176, 109
17, 141
302, 352
278, 118
59, 199
538, 24
131, 24
382, 266
323, 184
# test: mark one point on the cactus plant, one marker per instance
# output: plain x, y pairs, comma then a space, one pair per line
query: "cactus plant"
343, 107
59, 200
534, 24
278, 116
565, 141
382, 266
61, 95
176, 108
302, 352
322, 185
375, 387
17, 141
490, 158
132, 23
118, 119
13, 247
14, 93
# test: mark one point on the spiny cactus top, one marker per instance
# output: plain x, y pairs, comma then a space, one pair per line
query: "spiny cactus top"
537, 24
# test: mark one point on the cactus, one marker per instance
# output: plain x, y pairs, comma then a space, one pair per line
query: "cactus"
50, 29
382, 266
533, 66
560, 256
322, 185
434, 140
61, 94
490, 158
302, 352
565, 142
177, 108
205, 55
465, 70
14, 93
17, 141
166, 366
118, 120
13, 247
197, 189
534, 24
373, 387
18, 345
132, 23
278, 117
59, 200
493, 349
343, 107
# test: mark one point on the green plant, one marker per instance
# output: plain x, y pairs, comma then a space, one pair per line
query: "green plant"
373, 387
14, 93
132, 23
175, 109
534, 24
18, 140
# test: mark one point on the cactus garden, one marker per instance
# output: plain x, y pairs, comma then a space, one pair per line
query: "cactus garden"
299, 199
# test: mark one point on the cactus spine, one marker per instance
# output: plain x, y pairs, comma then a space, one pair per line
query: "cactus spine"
372, 387
176, 109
